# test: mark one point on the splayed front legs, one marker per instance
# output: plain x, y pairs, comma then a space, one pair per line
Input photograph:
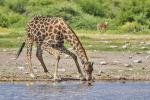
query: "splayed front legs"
56, 52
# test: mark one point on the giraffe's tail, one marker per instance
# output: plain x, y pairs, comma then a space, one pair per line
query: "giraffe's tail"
20, 50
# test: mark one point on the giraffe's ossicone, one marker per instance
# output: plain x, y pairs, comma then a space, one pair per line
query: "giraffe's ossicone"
49, 33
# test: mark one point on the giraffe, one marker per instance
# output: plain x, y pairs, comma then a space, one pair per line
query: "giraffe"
49, 34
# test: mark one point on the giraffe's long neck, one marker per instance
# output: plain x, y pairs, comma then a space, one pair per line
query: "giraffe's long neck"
75, 42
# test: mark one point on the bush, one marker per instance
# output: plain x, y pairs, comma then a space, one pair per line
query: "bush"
16, 5
4, 22
93, 7
85, 21
131, 27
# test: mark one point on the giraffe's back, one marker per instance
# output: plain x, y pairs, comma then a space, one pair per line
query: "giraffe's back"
45, 29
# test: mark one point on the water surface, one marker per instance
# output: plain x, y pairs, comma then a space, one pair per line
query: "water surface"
100, 90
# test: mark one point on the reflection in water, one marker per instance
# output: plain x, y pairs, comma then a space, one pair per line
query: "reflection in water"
75, 91
62, 87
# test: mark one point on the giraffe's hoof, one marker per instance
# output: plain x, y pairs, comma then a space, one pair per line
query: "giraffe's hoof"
57, 79
83, 79
33, 76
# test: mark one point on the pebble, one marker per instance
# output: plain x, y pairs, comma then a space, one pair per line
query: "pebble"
127, 65
125, 46
143, 68
61, 70
4, 50
21, 68
130, 57
103, 63
113, 46
137, 61
130, 69
116, 61
26, 72
142, 42
120, 70
95, 50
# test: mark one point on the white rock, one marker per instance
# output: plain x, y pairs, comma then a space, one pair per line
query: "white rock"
4, 50
120, 70
113, 46
21, 68
26, 72
130, 69
95, 50
142, 42
124, 46
127, 65
130, 57
103, 63
137, 61
115, 61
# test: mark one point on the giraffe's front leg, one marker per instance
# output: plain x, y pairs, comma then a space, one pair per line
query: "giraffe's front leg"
56, 69
56, 54
29, 44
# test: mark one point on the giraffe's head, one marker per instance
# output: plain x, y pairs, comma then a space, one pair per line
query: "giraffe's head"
88, 68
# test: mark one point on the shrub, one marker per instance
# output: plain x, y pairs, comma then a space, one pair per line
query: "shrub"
16, 5
93, 7
131, 27
85, 21
4, 22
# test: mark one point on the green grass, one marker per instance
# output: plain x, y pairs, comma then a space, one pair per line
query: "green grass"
91, 40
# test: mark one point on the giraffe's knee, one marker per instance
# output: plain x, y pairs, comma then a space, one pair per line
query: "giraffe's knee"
74, 56
58, 57
38, 55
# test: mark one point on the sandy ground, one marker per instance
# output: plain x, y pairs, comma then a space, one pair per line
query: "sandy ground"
107, 66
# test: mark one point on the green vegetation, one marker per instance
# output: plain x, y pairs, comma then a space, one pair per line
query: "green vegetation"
123, 17
80, 14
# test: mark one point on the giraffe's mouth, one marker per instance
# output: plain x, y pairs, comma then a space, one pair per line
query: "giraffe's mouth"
88, 76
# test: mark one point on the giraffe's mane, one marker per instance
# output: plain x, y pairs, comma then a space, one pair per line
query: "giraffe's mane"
78, 41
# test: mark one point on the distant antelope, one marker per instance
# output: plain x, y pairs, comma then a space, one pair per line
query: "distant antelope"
102, 25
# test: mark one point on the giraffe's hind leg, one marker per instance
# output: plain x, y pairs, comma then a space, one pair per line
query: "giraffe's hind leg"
56, 54
29, 43
40, 58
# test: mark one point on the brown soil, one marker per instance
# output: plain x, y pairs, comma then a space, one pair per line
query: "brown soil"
107, 66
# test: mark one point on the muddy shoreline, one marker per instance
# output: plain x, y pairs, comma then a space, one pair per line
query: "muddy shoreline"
107, 66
